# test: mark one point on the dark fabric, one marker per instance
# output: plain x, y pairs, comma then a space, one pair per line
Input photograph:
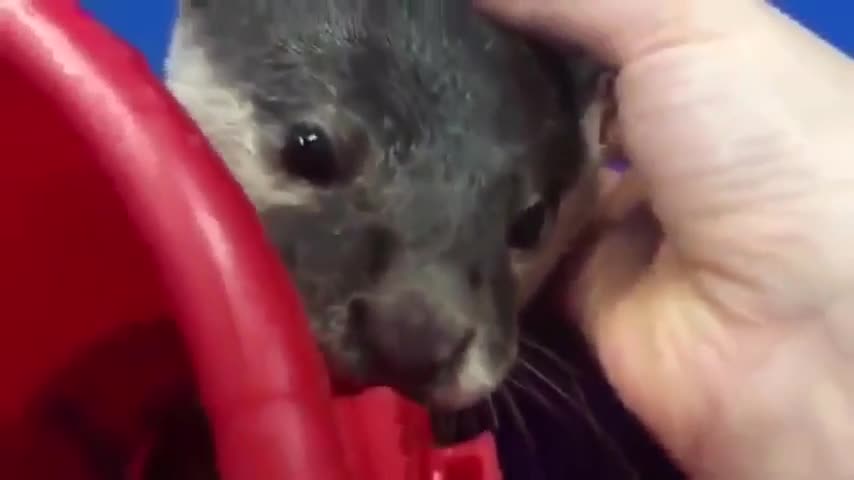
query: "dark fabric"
590, 436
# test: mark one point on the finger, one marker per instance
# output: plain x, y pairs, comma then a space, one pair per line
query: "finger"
609, 179
617, 264
622, 193
615, 254
620, 30
624, 295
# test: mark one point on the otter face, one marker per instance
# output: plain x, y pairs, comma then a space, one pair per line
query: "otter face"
399, 157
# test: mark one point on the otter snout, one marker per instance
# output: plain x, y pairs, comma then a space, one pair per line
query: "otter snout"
431, 335
416, 339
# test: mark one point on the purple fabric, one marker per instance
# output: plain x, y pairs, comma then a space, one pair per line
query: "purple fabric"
588, 436
618, 164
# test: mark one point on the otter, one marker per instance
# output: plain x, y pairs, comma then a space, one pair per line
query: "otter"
409, 161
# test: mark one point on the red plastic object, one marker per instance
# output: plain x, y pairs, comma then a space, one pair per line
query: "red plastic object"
115, 210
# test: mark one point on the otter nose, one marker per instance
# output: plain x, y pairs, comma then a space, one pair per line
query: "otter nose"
411, 338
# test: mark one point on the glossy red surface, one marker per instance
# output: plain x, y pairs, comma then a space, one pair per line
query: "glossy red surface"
115, 210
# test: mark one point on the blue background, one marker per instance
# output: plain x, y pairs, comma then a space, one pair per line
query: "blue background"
146, 23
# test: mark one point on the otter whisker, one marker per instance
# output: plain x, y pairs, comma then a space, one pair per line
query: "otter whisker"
578, 402
549, 354
493, 412
518, 418
538, 397
582, 406
548, 382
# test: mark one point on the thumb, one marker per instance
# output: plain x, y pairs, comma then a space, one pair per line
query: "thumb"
622, 294
620, 31
628, 239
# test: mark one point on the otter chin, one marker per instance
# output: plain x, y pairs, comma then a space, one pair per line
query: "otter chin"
474, 379
406, 159
441, 336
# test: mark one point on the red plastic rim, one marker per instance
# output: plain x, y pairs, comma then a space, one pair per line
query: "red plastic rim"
261, 379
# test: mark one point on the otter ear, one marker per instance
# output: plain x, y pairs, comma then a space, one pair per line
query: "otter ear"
185, 5
585, 72
575, 69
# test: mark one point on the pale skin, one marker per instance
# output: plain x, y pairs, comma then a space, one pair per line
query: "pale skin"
725, 317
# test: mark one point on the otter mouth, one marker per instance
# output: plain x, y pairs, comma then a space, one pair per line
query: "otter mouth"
471, 380
468, 380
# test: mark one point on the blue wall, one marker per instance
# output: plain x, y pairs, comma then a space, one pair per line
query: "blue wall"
145, 23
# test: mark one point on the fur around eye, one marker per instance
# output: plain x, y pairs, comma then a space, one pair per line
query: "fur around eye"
527, 227
309, 153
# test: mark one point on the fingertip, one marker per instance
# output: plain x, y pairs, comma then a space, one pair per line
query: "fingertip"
560, 22
514, 13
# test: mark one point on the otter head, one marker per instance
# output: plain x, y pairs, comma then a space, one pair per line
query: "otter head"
401, 155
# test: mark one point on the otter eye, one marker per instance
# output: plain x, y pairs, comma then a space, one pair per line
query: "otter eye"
527, 227
310, 154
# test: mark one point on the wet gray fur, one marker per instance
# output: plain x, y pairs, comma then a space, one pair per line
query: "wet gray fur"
455, 126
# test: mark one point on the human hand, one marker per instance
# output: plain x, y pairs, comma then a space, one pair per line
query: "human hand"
722, 306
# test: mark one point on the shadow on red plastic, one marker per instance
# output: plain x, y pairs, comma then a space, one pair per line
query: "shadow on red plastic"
116, 212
